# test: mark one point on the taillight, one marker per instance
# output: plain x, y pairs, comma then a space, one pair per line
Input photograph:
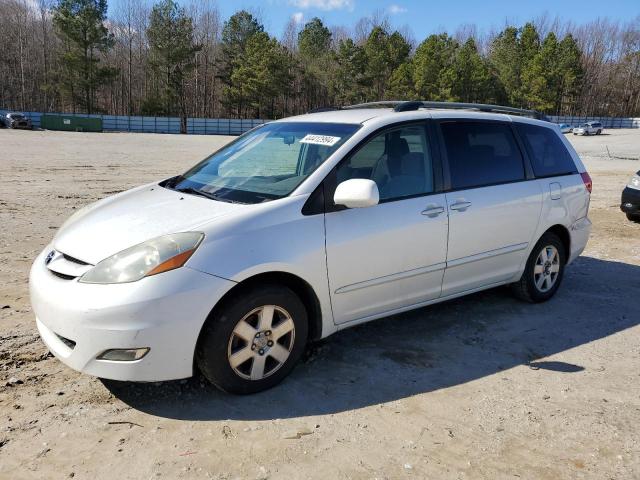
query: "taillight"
587, 181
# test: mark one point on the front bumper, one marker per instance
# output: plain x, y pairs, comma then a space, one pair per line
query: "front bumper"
163, 313
630, 202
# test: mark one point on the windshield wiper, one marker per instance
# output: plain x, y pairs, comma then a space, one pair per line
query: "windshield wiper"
201, 193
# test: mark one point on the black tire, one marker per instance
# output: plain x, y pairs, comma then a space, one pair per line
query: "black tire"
214, 344
634, 217
526, 289
598, 132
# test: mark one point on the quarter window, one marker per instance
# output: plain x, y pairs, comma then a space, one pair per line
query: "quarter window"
481, 153
549, 156
398, 161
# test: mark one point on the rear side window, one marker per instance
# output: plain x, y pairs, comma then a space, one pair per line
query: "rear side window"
481, 153
549, 156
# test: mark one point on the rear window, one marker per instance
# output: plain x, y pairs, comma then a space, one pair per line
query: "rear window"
549, 156
481, 153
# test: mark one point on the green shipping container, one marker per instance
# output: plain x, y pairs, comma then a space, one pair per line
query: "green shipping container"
71, 123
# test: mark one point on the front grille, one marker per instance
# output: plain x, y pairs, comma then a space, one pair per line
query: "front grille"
74, 260
62, 275
69, 343
65, 266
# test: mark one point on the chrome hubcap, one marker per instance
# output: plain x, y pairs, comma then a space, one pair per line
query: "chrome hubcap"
546, 269
261, 342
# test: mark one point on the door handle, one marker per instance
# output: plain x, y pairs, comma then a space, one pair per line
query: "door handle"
460, 205
433, 210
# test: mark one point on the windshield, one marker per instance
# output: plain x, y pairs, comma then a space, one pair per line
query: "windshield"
16, 116
266, 163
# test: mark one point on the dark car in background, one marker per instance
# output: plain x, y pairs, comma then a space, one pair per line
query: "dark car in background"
631, 198
16, 120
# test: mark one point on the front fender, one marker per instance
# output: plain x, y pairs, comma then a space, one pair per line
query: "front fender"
272, 238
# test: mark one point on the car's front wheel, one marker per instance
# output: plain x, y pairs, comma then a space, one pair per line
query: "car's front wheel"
544, 270
254, 340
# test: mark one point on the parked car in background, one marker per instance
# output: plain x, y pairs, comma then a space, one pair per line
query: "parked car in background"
303, 227
589, 128
631, 198
16, 120
565, 128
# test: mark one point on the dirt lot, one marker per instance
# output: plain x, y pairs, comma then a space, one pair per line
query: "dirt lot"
480, 387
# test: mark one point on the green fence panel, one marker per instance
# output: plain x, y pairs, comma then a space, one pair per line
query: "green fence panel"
71, 123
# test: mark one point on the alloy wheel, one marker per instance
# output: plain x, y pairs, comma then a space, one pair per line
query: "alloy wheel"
261, 342
546, 269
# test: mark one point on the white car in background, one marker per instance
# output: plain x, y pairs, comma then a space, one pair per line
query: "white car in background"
305, 226
589, 128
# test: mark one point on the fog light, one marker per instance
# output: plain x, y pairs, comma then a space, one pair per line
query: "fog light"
123, 354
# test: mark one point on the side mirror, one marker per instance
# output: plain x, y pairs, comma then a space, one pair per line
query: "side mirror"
357, 193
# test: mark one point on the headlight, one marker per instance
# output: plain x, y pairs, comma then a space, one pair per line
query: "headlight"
634, 182
154, 256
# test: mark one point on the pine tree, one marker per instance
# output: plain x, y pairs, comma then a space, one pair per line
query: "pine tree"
401, 84
259, 76
528, 47
470, 80
172, 54
314, 40
432, 67
314, 51
571, 75
542, 77
80, 25
348, 81
236, 33
505, 61
384, 54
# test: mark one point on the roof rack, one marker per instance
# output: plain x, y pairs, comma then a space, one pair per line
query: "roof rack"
380, 104
324, 109
406, 106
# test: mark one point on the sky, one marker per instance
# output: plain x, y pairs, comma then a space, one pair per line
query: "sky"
424, 17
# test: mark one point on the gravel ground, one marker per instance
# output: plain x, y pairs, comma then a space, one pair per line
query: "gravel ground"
479, 387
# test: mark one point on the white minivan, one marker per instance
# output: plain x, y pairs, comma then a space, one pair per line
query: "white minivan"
305, 226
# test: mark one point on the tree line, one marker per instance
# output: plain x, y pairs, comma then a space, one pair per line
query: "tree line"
166, 59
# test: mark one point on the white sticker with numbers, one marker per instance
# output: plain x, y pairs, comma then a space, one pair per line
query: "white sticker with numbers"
325, 140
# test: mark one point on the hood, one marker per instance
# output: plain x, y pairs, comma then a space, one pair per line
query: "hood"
110, 225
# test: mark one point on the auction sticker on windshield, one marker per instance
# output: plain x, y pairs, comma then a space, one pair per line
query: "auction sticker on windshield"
325, 140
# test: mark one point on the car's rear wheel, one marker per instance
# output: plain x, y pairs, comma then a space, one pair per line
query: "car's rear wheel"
544, 270
598, 132
253, 341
